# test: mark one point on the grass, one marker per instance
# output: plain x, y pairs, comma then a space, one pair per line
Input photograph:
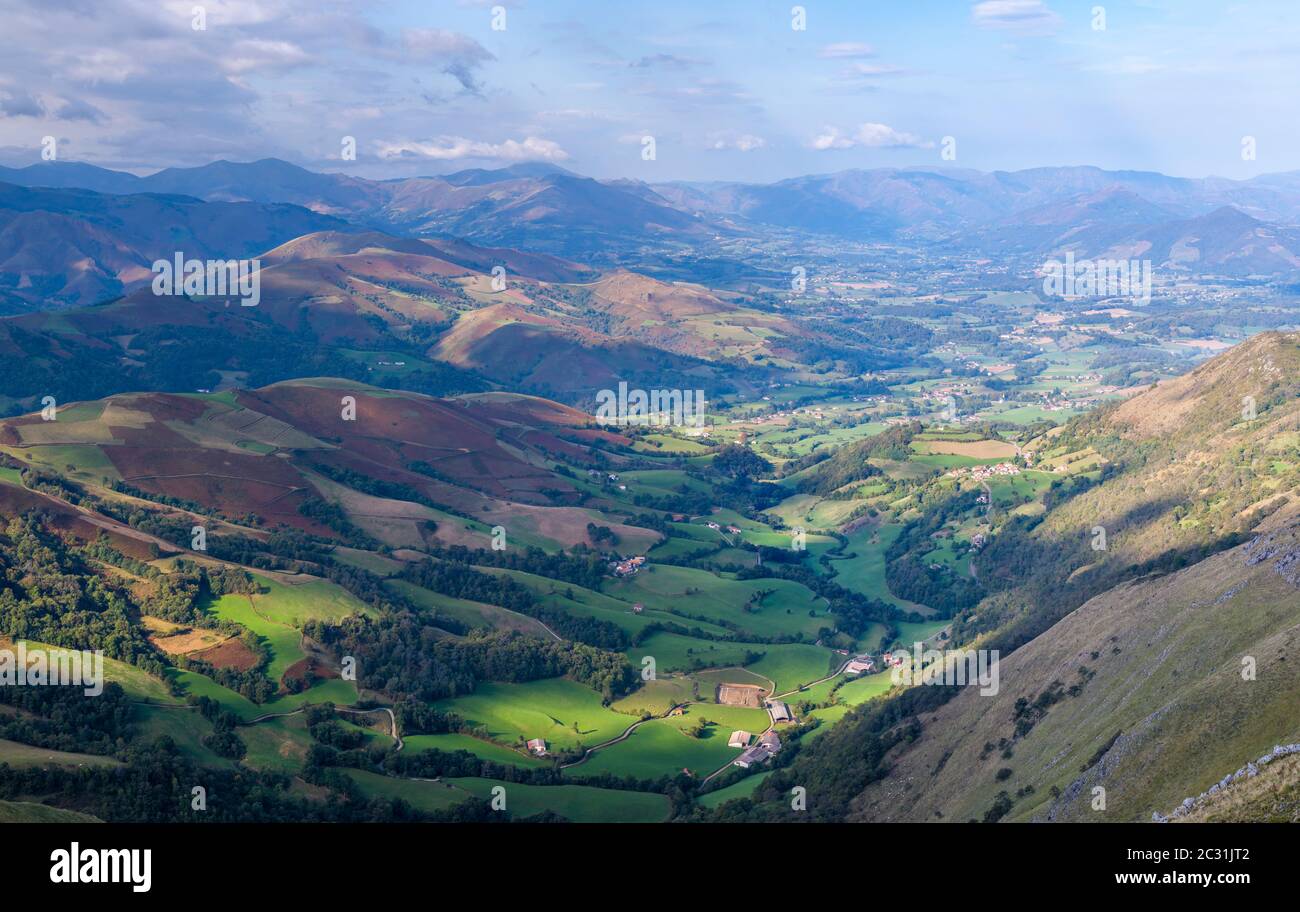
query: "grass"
564, 713
472, 614
30, 812
277, 745
658, 696
862, 689
185, 726
484, 750
865, 571
300, 601
775, 607
276, 614
663, 747
24, 756
342, 693
742, 789
424, 796
790, 665
579, 803
138, 684
283, 640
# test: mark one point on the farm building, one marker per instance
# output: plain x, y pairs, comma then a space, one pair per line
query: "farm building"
860, 665
739, 739
756, 754
537, 746
780, 711
770, 740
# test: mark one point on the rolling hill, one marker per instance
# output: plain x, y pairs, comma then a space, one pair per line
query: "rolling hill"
61, 248
409, 471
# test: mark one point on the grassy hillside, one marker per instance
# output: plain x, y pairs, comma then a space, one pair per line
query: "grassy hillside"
1163, 660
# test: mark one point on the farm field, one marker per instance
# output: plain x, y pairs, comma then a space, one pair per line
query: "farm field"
20, 755
664, 747
486, 750
473, 614
742, 789
775, 607
865, 572
578, 803
563, 713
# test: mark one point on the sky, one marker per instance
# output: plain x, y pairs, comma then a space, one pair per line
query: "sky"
727, 89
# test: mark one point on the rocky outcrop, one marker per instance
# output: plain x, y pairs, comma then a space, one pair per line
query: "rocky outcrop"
1249, 771
1279, 547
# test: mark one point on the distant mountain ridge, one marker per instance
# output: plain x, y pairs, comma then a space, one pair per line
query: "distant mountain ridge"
1029, 214
71, 247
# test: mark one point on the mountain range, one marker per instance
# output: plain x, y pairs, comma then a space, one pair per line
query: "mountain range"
88, 232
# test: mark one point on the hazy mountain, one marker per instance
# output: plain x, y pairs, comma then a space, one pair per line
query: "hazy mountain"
1088, 222
971, 206
545, 208
63, 247
1226, 241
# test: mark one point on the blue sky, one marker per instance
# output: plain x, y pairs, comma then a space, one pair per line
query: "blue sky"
728, 89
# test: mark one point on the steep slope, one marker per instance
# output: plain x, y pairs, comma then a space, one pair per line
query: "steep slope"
1162, 710
1189, 472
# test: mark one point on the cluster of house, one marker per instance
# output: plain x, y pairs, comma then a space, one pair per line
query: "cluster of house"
629, 566
768, 744
985, 472
894, 659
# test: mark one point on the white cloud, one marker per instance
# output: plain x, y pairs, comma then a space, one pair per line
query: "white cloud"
868, 70
451, 148
1127, 66
744, 142
846, 49
1031, 16
258, 55
868, 135
829, 138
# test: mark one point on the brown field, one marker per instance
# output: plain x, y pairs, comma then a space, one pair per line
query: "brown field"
188, 641
299, 670
741, 695
231, 653
975, 449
